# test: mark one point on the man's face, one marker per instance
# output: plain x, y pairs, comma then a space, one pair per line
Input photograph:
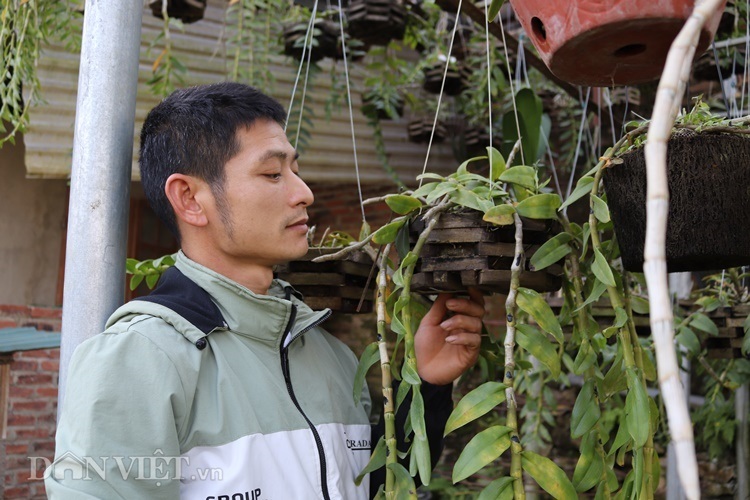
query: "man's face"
265, 201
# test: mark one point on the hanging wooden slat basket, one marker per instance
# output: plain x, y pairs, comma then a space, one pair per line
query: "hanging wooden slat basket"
709, 202
326, 40
728, 343
604, 43
338, 285
420, 131
376, 22
456, 78
463, 250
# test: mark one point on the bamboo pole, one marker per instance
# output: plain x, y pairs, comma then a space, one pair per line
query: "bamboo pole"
389, 414
668, 96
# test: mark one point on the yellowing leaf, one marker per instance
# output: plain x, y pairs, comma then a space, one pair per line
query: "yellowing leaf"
540, 206
402, 204
475, 404
549, 476
534, 304
500, 215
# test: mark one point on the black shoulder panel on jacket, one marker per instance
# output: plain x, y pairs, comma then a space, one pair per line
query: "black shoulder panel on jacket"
182, 295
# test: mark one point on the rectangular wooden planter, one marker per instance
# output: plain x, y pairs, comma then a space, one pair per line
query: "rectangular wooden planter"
462, 251
339, 285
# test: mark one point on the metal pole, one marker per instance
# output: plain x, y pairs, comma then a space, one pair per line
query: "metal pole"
100, 176
680, 285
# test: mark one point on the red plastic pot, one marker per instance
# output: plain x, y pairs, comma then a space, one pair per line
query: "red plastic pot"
607, 42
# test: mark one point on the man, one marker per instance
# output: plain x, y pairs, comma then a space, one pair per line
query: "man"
222, 384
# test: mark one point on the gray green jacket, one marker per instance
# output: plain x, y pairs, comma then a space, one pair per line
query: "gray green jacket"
206, 390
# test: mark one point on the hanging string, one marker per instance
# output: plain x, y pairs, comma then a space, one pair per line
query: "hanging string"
512, 91
489, 74
552, 165
440, 95
301, 62
608, 97
721, 79
578, 146
625, 113
304, 95
351, 113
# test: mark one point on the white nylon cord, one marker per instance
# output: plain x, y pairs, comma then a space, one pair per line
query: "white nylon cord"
512, 91
440, 95
304, 95
489, 76
301, 62
351, 113
578, 147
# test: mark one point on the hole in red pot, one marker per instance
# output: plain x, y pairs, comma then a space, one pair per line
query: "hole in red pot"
537, 26
630, 50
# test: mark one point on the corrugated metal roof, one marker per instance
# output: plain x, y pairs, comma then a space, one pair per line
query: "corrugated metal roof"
329, 155
27, 339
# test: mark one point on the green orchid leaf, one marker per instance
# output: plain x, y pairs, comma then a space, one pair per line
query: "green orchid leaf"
532, 303
601, 269
583, 187
494, 9
704, 323
475, 404
540, 206
500, 215
425, 189
497, 163
636, 409
377, 460
548, 475
483, 448
402, 204
688, 339
520, 175
404, 487
588, 471
387, 233
586, 411
369, 357
499, 489
551, 251
601, 211
538, 345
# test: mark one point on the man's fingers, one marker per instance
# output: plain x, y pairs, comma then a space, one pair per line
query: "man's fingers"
472, 340
466, 306
463, 322
438, 309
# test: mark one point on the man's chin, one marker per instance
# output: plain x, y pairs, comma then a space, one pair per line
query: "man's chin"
299, 251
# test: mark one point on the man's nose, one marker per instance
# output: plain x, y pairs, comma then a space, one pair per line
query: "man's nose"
302, 194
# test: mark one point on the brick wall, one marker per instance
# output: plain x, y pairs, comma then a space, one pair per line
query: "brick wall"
32, 405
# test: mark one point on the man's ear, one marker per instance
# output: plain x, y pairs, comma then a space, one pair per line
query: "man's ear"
185, 193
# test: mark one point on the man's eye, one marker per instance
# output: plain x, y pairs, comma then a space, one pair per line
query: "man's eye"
273, 176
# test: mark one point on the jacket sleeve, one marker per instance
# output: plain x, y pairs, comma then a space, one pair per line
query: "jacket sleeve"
117, 435
438, 405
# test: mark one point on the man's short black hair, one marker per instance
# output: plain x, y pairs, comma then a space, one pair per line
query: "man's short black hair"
194, 132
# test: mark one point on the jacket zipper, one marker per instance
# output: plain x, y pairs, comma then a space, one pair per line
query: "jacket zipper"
290, 390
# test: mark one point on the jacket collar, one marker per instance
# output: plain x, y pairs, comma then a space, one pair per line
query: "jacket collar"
261, 317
